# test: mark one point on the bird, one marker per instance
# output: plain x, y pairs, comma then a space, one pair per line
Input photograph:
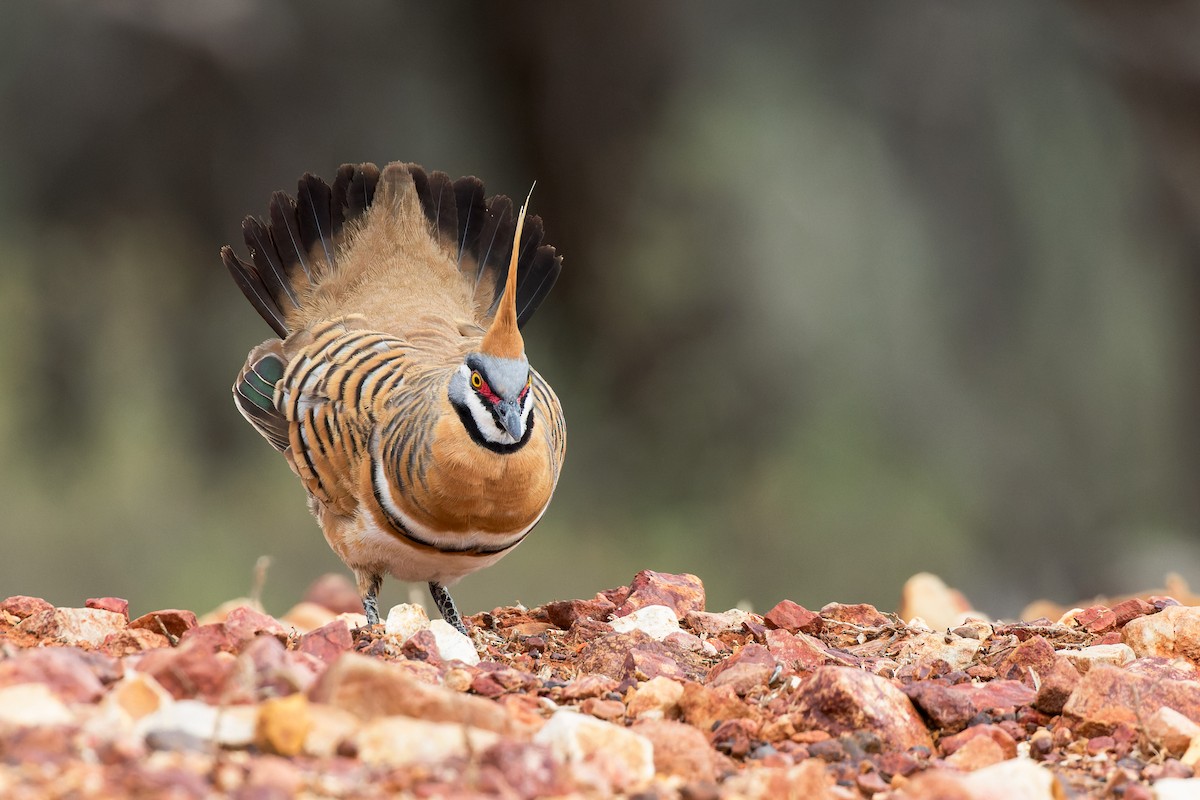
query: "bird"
397, 386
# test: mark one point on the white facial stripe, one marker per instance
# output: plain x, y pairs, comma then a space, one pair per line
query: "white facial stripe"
484, 421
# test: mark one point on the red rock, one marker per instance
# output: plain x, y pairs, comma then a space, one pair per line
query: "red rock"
328, 641
369, 688
170, 621
1108, 695
702, 706
213, 637
67, 671
846, 700
116, 605
522, 769
680, 750
335, 592
681, 593
1096, 619
1034, 653
1008, 745
565, 613
733, 737
951, 707
610, 710
1131, 609
798, 652
860, 614
746, 670
1100, 744
1057, 683
22, 606
793, 617
976, 753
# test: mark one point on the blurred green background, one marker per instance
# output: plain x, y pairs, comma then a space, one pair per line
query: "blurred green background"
851, 290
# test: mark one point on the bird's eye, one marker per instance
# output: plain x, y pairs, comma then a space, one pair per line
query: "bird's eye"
476, 380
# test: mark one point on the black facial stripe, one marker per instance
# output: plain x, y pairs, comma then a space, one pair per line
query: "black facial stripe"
477, 436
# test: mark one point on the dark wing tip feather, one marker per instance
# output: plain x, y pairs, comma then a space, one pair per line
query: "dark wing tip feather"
251, 284
537, 278
313, 198
285, 233
443, 208
472, 213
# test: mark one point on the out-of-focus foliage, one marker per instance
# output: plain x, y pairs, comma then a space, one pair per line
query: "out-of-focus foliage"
851, 290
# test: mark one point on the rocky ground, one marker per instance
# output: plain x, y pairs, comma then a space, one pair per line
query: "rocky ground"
638, 691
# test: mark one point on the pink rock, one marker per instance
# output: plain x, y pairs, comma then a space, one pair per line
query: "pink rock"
133, 640
793, 617
682, 593
522, 769
22, 606
67, 671
746, 670
245, 623
680, 750
588, 686
189, 671
328, 641
657, 696
715, 623
841, 700
1107, 696
798, 652
169, 621
370, 688
115, 604
652, 660
73, 625
335, 592
266, 669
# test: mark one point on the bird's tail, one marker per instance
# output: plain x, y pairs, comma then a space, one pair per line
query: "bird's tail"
298, 245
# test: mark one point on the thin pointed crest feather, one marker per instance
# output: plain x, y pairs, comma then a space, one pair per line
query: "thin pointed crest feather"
503, 338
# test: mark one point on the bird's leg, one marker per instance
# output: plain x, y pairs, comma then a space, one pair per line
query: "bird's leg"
445, 606
368, 590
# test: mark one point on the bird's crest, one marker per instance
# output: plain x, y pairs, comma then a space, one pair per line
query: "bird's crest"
503, 338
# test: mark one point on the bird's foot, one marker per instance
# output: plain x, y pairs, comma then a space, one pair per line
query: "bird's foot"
445, 606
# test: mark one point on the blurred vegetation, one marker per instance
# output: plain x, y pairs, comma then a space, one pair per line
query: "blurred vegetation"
852, 290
